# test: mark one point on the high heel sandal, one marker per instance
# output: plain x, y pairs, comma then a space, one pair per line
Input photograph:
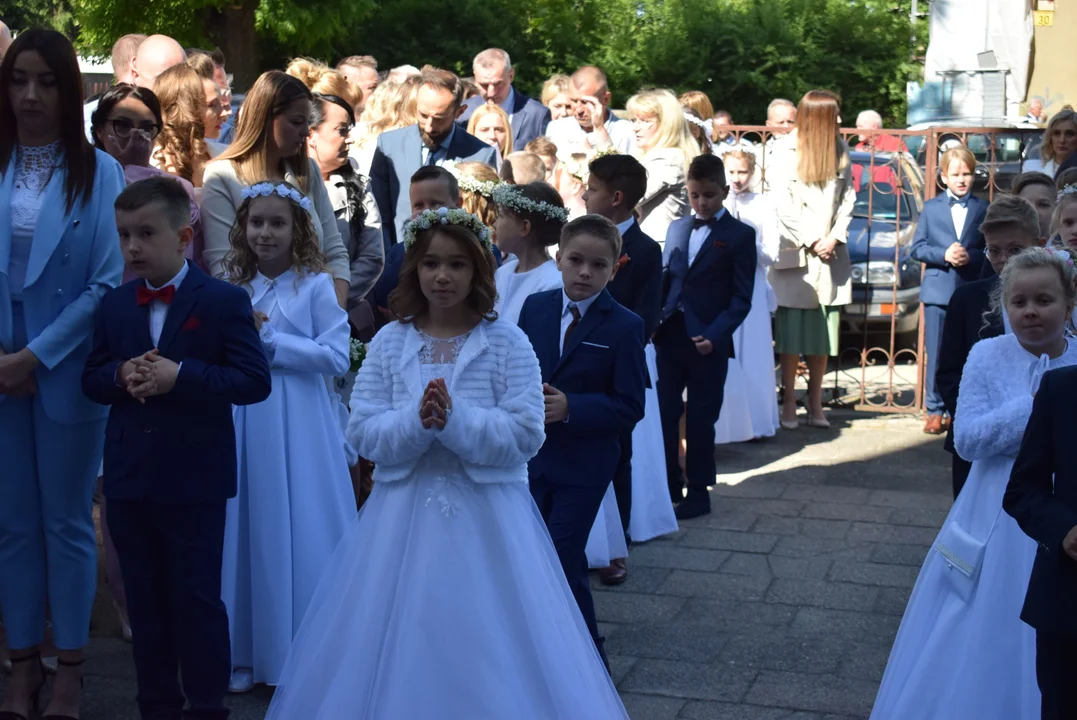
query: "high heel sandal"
82, 684
35, 697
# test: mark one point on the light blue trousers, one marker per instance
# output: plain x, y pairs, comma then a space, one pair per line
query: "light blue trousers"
48, 550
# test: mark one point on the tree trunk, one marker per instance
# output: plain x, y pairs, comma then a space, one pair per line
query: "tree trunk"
232, 29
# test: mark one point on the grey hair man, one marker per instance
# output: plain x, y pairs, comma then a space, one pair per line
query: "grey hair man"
494, 74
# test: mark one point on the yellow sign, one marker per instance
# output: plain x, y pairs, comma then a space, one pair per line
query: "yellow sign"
1044, 19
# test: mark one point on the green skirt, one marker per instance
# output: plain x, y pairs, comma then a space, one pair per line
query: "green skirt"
807, 332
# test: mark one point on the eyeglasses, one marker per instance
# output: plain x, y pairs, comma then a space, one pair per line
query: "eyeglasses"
122, 127
997, 253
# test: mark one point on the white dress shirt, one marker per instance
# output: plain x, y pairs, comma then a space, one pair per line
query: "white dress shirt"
158, 309
958, 213
699, 236
566, 314
570, 138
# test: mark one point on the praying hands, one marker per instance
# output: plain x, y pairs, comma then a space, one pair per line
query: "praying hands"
148, 375
436, 405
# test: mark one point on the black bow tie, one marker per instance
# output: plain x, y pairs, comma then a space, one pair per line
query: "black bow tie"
697, 223
962, 201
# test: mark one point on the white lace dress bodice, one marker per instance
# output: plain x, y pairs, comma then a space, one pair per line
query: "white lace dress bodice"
34, 166
437, 359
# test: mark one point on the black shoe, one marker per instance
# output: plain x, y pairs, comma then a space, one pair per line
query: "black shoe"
35, 697
695, 505
676, 494
82, 683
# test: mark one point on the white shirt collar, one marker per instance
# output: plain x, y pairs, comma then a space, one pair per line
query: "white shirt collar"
582, 305
623, 227
509, 101
174, 282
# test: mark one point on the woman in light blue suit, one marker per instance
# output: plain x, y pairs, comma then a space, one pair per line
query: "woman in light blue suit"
58, 255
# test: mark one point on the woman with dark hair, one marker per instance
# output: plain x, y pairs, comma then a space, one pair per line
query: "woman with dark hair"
124, 124
812, 189
58, 235
271, 144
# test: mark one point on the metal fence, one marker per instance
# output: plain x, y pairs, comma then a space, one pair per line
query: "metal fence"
881, 364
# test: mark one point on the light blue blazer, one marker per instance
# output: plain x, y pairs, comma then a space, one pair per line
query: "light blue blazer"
74, 259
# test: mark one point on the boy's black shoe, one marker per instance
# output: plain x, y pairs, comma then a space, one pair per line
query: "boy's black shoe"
696, 504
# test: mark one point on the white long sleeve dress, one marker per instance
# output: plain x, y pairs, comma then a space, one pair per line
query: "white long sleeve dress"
294, 499
750, 403
446, 598
962, 652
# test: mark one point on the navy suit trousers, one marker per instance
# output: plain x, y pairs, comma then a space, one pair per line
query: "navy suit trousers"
569, 512
934, 319
681, 367
1056, 667
170, 556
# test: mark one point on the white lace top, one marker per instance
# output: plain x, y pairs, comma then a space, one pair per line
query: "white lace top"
437, 358
34, 167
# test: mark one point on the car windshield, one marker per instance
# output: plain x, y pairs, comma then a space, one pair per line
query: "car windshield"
877, 199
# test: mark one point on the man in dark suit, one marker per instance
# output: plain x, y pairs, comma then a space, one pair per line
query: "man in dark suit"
1009, 227
615, 185
1042, 498
590, 350
949, 243
434, 140
173, 351
494, 74
709, 281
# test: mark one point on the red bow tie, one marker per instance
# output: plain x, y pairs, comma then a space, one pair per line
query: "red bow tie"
144, 296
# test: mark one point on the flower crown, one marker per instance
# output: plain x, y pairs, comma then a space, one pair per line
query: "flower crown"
704, 124
1068, 190
446, 216
1063, 255
265, 189
509, 196
470, 183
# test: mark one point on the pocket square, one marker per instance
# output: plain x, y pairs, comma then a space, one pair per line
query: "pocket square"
591, 344
622, 261
191, 323
718, 244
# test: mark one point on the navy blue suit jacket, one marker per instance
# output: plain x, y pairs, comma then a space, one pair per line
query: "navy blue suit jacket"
715, 293
603, 373
529, 117
934, 234
179, 447
1042, 498
638, 282
397, 157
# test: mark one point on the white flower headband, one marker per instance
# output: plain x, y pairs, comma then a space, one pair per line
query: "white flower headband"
469, 183
265, 189
1062, 255
446, 216
1068, 190
510, 197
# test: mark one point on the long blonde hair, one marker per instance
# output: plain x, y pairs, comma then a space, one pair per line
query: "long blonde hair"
391, 106
821, 153
488, 109
1047, 148
181, 142
270, 96
672, 129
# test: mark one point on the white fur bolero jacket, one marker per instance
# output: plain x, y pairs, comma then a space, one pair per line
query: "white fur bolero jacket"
497, 422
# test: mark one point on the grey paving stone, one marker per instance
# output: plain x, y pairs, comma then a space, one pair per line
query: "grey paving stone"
738, 616
728, 519
892, 601
668, 556
781, 651
911, 555
842, 511
625, 607
824, 594
696, 710
716, 586
820, 693
874, 574
892, 534
673, 678
813, 568
728, 540
848, 625
805, 527
694, 640
914, 500
652, 707
921, 517
754, 564
833, 548
866, 662
641, 579
763, 506
761, 490
828, 493
619, 666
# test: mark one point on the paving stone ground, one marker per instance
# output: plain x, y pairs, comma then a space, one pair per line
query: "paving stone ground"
781, 605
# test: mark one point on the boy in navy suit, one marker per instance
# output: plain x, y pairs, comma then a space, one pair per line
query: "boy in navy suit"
615, 185
710, 275
1010, 226
949, 243
590, 350
173, 351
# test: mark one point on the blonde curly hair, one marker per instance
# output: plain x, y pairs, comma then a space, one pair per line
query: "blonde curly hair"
181, 142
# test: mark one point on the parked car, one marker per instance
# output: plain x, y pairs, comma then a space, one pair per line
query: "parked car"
886, 280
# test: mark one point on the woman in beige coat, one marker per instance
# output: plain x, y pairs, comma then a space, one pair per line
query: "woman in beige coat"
811, 186
271, 144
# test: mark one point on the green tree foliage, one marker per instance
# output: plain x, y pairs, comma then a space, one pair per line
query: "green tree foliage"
23, 14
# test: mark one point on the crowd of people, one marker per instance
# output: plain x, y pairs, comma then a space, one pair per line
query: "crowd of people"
533, 318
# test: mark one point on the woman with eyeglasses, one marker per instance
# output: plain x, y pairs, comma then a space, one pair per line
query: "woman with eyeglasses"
125, 124
58, 242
